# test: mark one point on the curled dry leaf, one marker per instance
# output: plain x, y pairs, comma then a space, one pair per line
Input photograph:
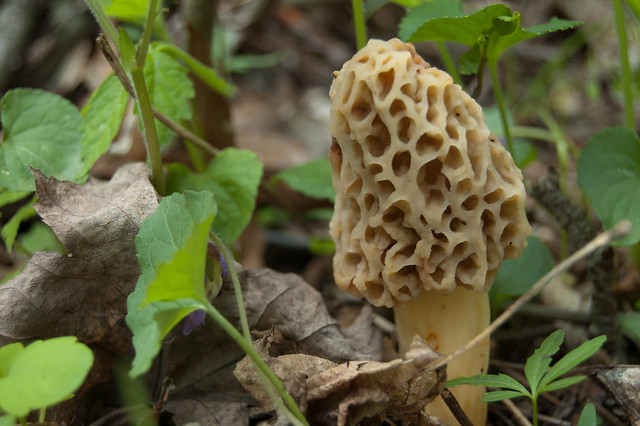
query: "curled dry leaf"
347, 393
82, 293
623, 381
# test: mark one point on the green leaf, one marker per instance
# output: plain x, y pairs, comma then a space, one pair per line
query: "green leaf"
8, 197
8, 420
312, 179
169, 89
538, 363
42, 374
588, 416
421, 13
103, 115
171, 247
515, 34
572, 359
492, 30
126, 10
371, 6
517, 276
182, 277
233, 177
407, 3
41, 130
460, 29
629, 325
500, 395
10, 229
208, 75
562, 383
40, 237
609, 174
322, 246
523, 152
127, 51
490, 380
7, 355
151, 324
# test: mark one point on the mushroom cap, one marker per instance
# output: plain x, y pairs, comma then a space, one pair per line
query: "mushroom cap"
426, 197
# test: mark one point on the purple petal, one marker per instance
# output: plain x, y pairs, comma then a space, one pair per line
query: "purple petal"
193, 320
225, 267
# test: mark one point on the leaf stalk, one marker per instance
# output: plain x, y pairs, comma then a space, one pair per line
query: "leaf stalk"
493, 70
627, 90
359, 23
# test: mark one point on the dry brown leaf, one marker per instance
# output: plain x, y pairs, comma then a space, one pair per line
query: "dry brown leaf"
208, 409
398, 389
623, 381
204, 360
347, 393
83, 293
292, 369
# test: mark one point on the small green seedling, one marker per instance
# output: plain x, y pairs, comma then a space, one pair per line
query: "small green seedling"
40, 375
588, 416
540, 377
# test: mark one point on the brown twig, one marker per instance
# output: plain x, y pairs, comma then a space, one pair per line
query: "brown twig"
455, 408
519, 416
621, 229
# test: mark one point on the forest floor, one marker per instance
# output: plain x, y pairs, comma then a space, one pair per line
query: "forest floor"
281, 112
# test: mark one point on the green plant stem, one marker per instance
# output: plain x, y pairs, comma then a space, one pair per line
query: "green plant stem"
149, 126
244, 322
143, 46
261, 365
534, 410
103, 20
480, 76
359, 24
493, 70
563, 146
448, 62
267, 376
627, 90
41, 415
530, 132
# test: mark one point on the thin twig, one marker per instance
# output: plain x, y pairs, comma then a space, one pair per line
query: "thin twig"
520, 417
621, 229
454, 407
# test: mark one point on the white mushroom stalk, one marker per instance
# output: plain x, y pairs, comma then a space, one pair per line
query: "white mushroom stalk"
428, 204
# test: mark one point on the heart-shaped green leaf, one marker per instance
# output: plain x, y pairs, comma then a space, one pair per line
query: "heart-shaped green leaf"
171, 247
41, 130
609, 174
41, 374
312, 179
233, 177
102, 118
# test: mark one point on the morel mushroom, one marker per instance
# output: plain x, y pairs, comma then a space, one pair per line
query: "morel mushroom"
428, 204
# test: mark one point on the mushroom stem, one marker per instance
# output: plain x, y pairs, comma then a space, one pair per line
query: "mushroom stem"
447, 322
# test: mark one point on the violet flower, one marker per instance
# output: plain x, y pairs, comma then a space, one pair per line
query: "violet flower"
196, 318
